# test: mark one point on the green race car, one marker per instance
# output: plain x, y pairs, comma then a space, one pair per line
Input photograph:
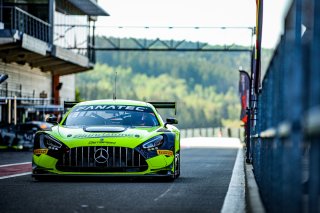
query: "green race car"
109, 138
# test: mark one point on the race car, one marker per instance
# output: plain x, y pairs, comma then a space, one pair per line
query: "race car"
109, 138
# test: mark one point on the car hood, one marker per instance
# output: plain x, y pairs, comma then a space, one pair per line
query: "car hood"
101, 136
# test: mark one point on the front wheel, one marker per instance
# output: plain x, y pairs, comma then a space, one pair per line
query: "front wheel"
177, 165
176, 172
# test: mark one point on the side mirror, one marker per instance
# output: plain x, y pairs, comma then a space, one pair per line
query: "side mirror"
171, 121
52, 120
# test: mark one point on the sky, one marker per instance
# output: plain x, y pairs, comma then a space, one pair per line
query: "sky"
192, 20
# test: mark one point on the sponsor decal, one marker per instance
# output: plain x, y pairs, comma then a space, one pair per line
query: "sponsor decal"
105, 135
165, 152
99, 142
40, 151
112, 107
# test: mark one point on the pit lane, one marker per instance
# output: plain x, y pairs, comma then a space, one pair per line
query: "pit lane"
206, 164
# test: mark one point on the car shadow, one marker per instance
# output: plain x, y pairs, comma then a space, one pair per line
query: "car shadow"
105, 179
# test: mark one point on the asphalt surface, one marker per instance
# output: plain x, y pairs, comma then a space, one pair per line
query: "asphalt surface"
10, 157
202, 187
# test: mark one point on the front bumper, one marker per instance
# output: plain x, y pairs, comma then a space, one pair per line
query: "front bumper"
120, 161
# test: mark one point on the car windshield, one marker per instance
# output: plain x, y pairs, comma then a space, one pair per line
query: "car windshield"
111, 115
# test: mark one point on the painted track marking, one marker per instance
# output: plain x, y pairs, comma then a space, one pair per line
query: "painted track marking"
14, 164
235, 198
164, 193
15, 170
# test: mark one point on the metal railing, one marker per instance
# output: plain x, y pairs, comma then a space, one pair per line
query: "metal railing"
79, 39
285, 146
17, 19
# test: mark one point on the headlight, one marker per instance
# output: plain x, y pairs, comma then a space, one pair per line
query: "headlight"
153, 142
48, 142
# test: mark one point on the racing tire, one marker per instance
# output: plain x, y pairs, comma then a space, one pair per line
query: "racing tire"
176, 173
177, 165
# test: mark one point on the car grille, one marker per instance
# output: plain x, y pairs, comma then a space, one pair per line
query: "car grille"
102, 159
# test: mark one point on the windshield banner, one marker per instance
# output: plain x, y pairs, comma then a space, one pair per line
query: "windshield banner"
111, 107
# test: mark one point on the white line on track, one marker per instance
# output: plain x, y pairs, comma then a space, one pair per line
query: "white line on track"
235, 198
16, 175
14, 164
164, 193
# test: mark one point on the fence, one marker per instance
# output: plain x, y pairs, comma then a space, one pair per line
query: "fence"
285, 146
15, 18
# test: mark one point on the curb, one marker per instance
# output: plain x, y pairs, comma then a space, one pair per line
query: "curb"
243, 192
235, 200
253, 200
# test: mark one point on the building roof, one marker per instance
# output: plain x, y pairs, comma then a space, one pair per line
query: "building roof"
89, 7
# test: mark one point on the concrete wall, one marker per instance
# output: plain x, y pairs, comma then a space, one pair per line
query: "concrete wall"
33, 80
29, 79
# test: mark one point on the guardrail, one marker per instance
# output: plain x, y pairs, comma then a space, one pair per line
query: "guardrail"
285, 146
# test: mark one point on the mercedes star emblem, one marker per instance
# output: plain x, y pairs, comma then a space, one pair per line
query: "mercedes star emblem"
101, 155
